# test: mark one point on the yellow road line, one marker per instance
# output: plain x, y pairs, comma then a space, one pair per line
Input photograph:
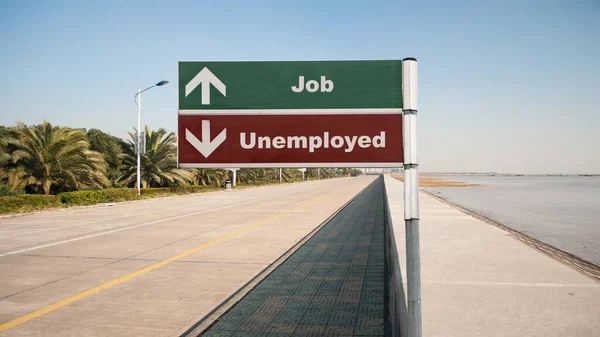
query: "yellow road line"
122, 279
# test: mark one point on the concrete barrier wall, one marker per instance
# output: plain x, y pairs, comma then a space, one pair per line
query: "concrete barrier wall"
396, 255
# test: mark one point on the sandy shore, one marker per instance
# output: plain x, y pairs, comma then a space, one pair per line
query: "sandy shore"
425, 181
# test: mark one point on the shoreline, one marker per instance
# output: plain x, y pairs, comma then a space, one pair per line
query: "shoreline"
425, 181
583, 266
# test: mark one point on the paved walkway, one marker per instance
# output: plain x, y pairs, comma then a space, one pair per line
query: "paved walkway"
477, 280
332, 285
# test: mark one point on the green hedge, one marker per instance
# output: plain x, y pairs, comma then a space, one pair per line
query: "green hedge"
176, 190
120, 194
32, 202
5, 191
28, 203
82, 197
267, 183
92, 197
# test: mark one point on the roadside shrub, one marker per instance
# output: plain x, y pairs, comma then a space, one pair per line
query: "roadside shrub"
259, 183
193, 189
80, 198
92, 197
32, 202
155, 192
120, 194
5, 191
28, 203
267, 183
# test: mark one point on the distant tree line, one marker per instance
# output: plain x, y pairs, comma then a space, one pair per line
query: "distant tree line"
48, 159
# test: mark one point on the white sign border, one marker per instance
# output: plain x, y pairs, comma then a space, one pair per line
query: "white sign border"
291, 165
288, 112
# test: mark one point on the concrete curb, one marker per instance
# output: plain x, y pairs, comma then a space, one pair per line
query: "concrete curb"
398, 311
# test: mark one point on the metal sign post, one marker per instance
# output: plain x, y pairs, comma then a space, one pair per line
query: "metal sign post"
234, 171
411, 194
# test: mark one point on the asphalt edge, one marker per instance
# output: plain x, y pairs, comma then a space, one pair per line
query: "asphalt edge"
207, 320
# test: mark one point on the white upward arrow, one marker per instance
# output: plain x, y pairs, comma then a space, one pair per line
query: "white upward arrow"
206, 78
206, 146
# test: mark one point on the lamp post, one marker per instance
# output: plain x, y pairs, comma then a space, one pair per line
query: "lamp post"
138, 101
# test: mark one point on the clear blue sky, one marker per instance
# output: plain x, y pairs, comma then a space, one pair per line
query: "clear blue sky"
504, 85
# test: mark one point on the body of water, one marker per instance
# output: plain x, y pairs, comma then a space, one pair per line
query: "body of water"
561, 211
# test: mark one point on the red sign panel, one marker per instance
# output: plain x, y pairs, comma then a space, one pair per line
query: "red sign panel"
354, 140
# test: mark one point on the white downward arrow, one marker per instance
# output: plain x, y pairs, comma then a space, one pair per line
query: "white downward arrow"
206, 78
206, 146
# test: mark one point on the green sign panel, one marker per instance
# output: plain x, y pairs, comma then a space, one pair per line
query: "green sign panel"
290, 85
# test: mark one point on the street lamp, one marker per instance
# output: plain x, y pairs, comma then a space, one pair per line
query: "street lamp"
138, 99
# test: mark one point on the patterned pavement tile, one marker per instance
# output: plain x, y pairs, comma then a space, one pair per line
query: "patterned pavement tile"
366, 330
253, 325
310, 330
246, 334
339, 330
331, 286
289, 316
342, 318
286, 328
217, 334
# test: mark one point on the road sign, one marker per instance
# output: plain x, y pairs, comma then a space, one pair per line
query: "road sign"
290, 140
290, 114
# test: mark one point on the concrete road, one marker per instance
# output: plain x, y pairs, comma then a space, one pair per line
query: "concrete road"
150, 268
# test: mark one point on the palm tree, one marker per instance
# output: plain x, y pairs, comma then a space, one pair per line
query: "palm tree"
290, 174
215, 177
247, 175
328, 172
344, 171
4, 155
158, 165
54, 158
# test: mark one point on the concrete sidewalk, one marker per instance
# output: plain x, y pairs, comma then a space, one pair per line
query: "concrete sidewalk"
479, 281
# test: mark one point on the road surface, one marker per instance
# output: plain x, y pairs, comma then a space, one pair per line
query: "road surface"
150, 268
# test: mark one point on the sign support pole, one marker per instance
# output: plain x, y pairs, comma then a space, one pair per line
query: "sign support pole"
411, 194
138, 143
234, 171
